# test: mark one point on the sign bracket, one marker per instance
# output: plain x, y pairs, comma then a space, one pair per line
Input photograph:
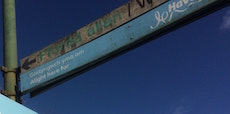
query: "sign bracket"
7, 93
6, 70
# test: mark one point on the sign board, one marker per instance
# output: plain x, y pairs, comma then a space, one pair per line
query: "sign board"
92, 31
8, 106
85, 35
121, 29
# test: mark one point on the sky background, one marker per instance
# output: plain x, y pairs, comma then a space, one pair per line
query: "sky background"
186, 71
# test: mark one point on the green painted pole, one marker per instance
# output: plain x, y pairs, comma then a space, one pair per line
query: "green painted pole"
10, 49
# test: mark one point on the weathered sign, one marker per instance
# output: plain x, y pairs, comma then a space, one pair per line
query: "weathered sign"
92, 31
109, 22
134, 23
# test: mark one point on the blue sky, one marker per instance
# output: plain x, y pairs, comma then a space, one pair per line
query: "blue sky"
183, 72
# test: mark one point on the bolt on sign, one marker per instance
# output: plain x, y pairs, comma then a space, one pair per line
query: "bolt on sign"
131, 24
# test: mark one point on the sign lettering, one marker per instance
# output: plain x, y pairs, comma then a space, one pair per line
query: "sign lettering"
175, 7
143, 2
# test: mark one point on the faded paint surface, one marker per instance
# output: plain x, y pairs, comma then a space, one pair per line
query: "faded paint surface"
105, 24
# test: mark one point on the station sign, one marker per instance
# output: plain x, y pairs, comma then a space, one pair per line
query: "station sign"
45, 64
129, 25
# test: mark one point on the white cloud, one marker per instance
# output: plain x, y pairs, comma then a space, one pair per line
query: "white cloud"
181, 110
226, 21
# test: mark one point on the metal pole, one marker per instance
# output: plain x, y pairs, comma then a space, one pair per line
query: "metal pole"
10, 50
